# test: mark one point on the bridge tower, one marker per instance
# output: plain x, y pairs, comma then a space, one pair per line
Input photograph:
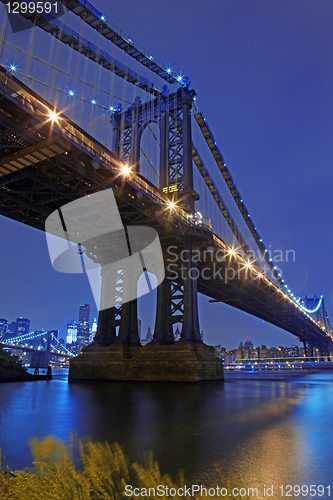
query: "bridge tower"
42, 358
176, 298
119, 355
317, 309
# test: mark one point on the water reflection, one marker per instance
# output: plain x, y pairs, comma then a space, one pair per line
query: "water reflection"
269, 428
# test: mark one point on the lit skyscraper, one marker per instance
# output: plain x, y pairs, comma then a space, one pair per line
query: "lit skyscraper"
71, 337
23, 325
3, 328
83, 329
93, 331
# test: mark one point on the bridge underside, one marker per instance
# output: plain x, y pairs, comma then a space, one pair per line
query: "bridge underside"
46, 164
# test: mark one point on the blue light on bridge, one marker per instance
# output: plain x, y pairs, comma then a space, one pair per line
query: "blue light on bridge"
71, 93
311, 311
13, 68
93, 101
179, 78
103, 18
169, 71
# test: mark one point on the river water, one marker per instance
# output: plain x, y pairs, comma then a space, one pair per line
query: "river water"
270, 428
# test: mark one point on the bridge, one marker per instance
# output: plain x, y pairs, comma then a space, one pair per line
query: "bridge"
40, 345
164, 166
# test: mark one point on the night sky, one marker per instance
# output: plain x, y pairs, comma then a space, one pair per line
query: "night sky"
263, 72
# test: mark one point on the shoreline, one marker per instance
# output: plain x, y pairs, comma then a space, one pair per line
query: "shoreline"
12, 375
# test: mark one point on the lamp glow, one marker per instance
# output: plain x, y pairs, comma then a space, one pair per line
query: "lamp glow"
125, 170
53, 116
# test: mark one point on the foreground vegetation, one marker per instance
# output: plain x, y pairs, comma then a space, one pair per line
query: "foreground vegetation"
103, 473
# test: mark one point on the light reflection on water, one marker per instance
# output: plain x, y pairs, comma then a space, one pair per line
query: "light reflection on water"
268, 427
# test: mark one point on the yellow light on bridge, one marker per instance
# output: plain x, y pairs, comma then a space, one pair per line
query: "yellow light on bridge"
125, 171
170, 189
171, 205
53, 116
232, 252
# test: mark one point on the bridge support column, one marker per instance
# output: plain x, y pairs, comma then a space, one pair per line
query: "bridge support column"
308, 349
108, 318
106, 328
129, 332
40, 358
190, 331
163, 333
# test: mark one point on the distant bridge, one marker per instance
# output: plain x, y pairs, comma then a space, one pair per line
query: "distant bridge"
30, 342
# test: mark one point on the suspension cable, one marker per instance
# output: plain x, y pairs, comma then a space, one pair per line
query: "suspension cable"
83, 46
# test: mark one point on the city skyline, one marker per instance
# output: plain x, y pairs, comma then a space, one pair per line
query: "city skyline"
269, 102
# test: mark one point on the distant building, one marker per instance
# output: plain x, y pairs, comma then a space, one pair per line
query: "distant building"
12, 328
83, 327
3, 328
264, 352
149, 336
93, 331
71, 337
177, 334
248, 344
23, 326
293, 351
220, 352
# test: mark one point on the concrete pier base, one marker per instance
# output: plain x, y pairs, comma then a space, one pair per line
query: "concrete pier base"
151, 363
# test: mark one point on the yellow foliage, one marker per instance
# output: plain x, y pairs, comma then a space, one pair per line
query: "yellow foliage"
103, 474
